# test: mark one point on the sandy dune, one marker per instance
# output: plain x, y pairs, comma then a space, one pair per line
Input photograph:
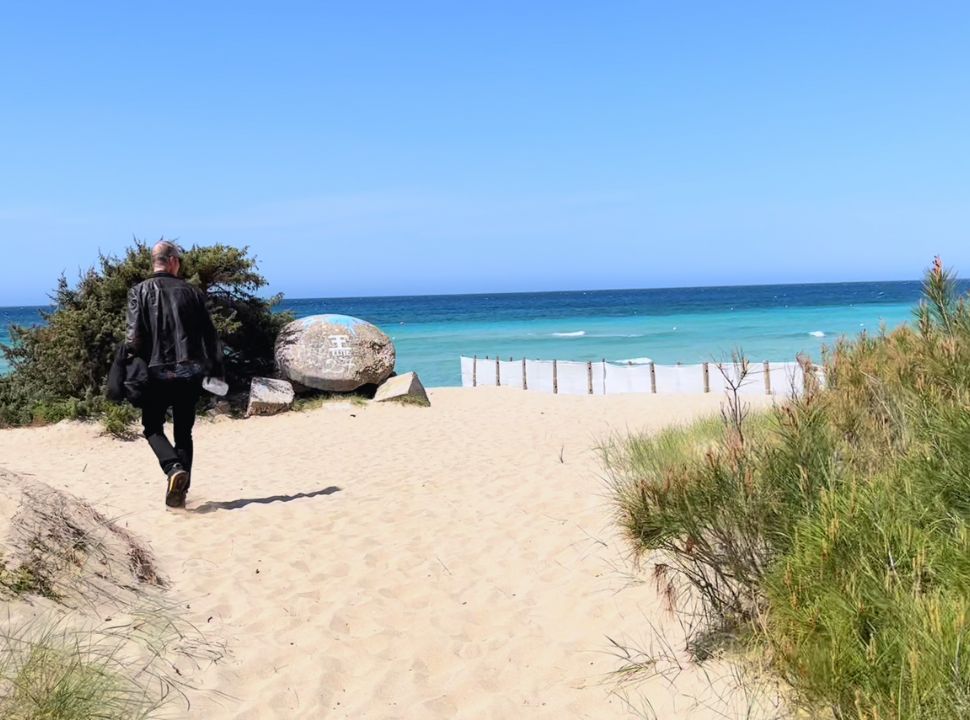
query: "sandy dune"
395, 562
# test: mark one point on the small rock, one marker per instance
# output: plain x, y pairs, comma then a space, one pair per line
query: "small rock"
268, 396
406, 388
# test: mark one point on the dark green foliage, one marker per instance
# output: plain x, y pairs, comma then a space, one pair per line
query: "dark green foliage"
837, 542
59, 369
246, 323
120, 421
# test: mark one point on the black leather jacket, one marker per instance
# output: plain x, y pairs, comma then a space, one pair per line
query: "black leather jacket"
170, 328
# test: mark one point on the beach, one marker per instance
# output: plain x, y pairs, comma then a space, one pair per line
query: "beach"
387, 561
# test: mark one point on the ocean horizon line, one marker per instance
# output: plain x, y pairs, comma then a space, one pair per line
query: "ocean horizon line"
668, 325
741, 286
484, 294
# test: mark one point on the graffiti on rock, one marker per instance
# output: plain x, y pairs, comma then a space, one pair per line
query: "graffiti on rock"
340, 357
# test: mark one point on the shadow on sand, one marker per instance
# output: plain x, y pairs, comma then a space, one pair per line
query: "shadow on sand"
213, 506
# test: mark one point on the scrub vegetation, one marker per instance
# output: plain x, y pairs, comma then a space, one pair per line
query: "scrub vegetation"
830, 535
59, 368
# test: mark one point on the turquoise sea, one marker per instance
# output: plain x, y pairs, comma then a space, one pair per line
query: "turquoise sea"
688, 325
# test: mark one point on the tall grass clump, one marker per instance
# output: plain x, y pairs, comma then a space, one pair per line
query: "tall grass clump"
69, 676
835, 539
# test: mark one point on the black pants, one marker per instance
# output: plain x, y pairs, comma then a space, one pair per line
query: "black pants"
182, 396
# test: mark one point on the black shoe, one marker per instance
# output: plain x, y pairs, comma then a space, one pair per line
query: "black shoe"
178, 486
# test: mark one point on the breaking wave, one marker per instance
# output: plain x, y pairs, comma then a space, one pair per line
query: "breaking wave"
619, 335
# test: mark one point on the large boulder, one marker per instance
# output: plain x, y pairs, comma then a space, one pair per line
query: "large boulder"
406, 388
268, 396
336, 353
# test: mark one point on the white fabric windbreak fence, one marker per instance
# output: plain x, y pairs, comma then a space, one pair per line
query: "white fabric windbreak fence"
602, 378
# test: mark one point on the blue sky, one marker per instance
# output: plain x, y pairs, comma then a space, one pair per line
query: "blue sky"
396, 148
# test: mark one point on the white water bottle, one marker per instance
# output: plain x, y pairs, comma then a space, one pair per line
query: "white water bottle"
215, 385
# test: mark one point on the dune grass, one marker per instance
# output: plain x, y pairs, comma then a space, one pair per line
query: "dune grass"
89, 630
64, 676
831, 534
316, 400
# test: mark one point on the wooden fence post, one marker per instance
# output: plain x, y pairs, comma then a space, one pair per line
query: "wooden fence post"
498, 375
589, 376
707, 378
475, 371
767, 378
555, 378
653, 378
808, 372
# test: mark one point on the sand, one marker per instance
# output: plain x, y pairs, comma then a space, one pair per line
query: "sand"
388, 561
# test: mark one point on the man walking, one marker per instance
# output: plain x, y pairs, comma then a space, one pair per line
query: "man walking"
169, 327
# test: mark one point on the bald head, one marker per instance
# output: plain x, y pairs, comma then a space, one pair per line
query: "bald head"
165, 257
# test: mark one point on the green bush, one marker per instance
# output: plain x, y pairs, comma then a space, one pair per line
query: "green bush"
834, 539
119, 421
59, 369
868, 614
720, 507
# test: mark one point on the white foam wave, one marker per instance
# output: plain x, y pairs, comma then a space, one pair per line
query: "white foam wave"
621, 335
817, 333
637, 361
578, 333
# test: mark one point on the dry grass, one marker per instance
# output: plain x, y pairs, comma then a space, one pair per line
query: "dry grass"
104, 637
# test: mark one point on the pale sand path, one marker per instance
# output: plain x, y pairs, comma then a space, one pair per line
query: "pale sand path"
394, 562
